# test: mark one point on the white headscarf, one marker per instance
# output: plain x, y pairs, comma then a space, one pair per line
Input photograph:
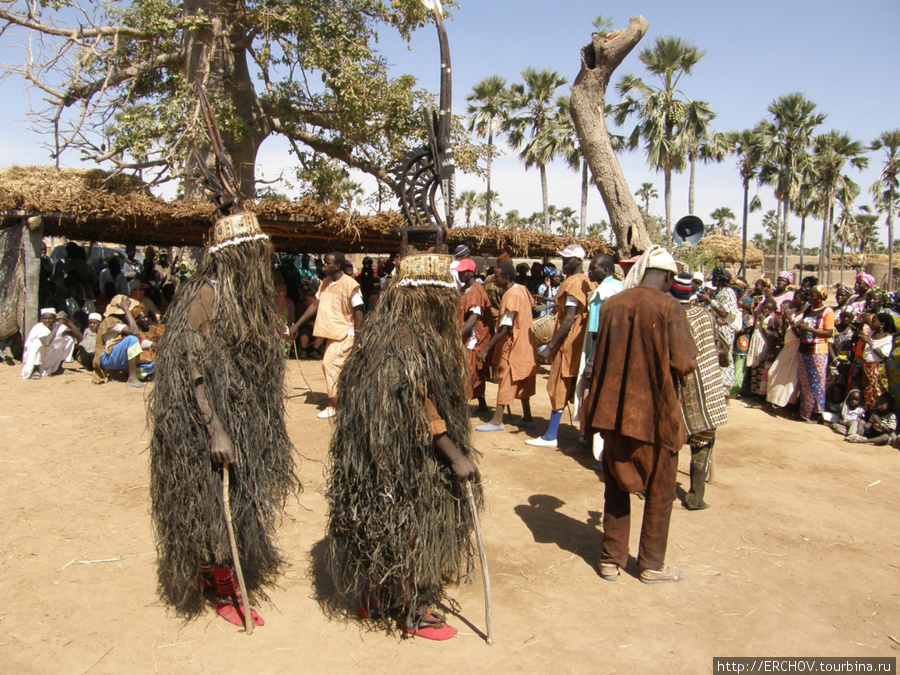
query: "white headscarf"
654, 258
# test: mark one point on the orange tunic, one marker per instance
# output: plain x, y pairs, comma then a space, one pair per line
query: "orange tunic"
482, 333
567, 354
517, 361
334, 318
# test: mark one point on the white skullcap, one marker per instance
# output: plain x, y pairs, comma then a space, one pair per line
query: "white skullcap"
93, 316
48, 310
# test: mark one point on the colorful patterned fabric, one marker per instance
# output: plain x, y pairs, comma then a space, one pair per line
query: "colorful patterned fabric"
813, 368
876, 382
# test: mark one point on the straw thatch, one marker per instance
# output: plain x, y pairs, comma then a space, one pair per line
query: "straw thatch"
92, 205
728, 249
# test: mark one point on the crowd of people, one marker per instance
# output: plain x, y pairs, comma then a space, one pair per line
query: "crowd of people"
648, 363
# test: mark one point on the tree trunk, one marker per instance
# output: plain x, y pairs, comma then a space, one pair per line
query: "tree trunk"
785, 250
890, 225
598, 62
667, 189
487, 200
777, 237
584, 198
744, 232
821, 270
545, 197
691, 187
843, 243
802, 238
830, 239
213, 59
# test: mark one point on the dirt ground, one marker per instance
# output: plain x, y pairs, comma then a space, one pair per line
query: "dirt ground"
798, 556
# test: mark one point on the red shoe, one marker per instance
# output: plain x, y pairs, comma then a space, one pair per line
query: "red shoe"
235, 615
432, 626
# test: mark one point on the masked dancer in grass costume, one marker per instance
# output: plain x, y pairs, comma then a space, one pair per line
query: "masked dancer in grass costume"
218, 405
399, 523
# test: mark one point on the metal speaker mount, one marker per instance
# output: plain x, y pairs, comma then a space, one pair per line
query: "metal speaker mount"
688, 231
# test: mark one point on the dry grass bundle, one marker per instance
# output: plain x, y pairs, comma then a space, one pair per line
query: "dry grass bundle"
728, 249
121, 208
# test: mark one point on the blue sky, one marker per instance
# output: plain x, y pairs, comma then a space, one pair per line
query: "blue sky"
840, 55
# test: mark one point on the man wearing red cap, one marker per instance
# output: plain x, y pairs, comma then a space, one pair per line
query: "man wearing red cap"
477, 328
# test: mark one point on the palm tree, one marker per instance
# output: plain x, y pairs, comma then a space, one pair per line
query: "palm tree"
724, 218
530, 105
702, 143
645, 193
467, 201
832, 151
886, 189
484, 201
785, 139
745, 145
567, 222
486, 107
512, 220
659, 110
597, 230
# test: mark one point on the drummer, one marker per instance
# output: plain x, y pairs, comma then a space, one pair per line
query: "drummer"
564, 348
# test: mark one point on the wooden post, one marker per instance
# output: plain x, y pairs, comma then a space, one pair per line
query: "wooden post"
31, 245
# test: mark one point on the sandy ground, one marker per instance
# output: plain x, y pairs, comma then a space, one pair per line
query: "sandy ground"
799, 555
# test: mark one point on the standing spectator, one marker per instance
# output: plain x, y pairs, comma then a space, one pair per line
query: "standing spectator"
646, 344
702, 396
131, 267
47, 345
815, 328
367, 279
877, 348
728, 318
477, 322
113, 275
516, 356
549, 289
338, 312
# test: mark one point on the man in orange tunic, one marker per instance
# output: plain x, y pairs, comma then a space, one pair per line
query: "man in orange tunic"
564, 348
517, 354
644, 344
477, 328
338, 311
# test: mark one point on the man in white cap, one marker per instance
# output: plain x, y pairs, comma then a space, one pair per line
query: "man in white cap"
48, 345
564, 348
88, 342
644, 345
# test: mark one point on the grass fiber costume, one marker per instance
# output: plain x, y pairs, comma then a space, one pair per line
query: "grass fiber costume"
237, 355
399, 525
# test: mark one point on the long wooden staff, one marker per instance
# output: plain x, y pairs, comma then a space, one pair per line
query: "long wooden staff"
488, 614
248, 615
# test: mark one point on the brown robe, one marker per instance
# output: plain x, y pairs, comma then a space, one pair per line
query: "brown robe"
644, 343
517, 351
567, 354
483, 330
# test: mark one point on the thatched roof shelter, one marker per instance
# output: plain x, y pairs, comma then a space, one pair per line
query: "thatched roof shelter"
728, 249
92, 205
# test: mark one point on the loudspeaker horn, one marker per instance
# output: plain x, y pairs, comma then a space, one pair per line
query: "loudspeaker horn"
688, 231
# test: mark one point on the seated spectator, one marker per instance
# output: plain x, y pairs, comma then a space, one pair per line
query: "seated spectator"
880, 426
118, 346
131, 267
47, 345
138, 292
183, 272
113, 274
88, 343
852, 420
150, 335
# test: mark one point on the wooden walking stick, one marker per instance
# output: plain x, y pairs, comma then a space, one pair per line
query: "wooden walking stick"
245, 601
484, 567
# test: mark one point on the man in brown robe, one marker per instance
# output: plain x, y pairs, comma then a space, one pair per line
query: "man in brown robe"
564, 348
644, 344
516, 358
477, 321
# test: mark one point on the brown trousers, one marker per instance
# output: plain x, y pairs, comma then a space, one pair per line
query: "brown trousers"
659, 469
